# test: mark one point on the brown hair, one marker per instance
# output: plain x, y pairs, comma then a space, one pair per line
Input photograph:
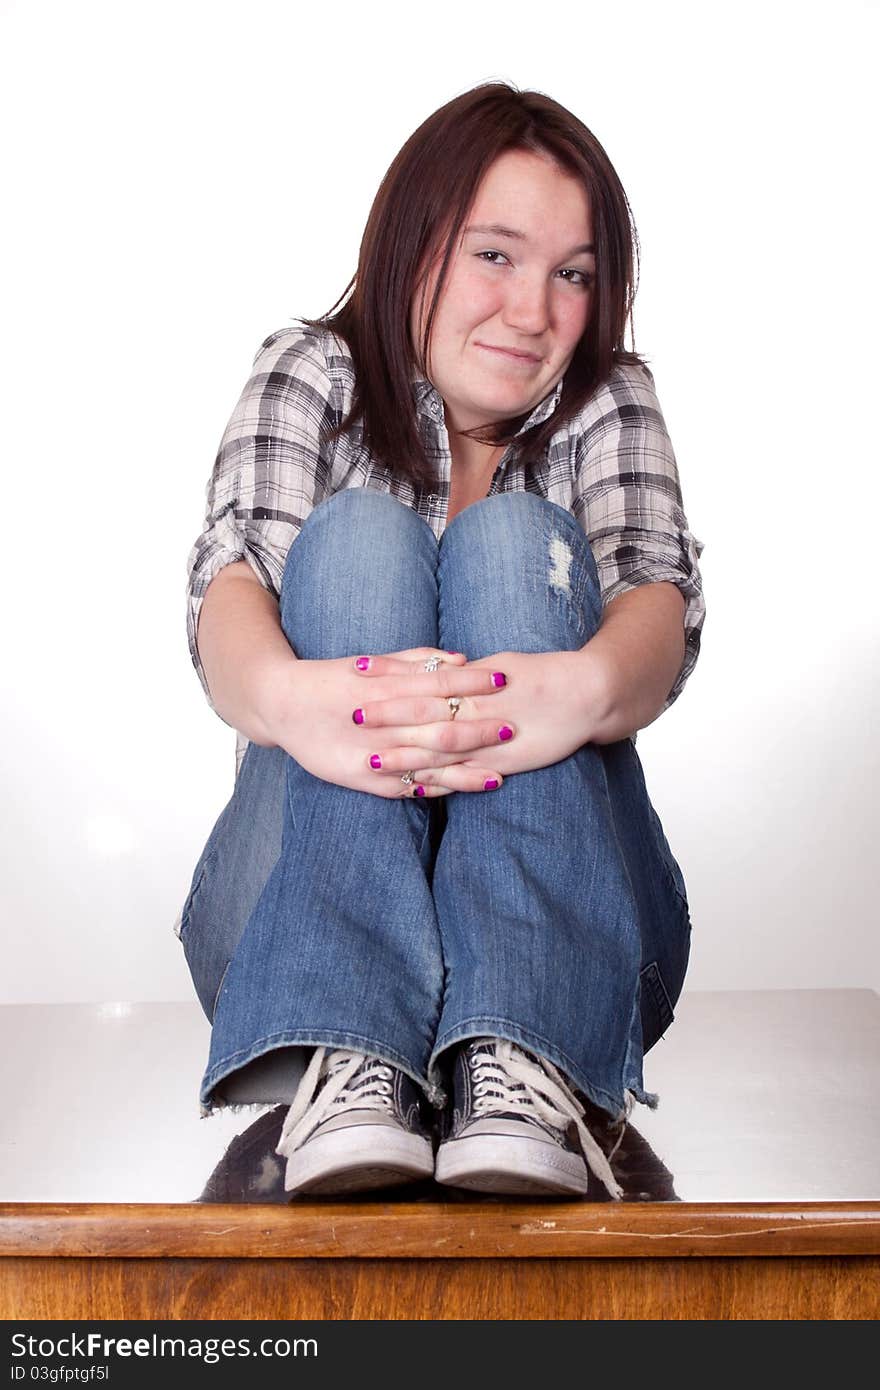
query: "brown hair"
425, 196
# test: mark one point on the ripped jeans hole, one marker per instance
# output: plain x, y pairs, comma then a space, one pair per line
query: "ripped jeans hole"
560, 565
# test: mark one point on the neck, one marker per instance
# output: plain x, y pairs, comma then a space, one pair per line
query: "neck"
471, 457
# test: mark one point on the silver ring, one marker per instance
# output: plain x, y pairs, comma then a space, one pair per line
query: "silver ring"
433, 662
453, 701
408, 778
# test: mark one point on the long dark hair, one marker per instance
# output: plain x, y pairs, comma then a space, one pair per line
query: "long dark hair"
425, 196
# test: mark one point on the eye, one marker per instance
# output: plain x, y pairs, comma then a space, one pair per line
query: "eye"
582, 278
481, 255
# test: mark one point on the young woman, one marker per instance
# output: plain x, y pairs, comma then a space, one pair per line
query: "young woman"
444, 577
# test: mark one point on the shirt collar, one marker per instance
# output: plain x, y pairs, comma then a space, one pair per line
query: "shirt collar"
429, 403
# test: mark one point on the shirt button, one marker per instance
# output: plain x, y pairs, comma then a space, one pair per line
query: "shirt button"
432, 498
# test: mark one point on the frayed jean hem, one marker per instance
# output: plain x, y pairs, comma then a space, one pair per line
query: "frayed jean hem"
210, 1101
618, 1106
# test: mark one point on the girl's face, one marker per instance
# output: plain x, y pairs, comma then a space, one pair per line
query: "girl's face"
518, 293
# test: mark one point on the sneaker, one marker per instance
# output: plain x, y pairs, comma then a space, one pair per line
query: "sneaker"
517, 1127
355, 1123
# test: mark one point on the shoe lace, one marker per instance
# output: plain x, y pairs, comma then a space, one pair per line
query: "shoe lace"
507, 1079
342, 1080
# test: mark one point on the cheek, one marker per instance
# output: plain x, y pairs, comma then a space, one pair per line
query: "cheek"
574, 319
475, 299
570, 325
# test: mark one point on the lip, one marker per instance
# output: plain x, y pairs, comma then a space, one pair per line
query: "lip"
512, 353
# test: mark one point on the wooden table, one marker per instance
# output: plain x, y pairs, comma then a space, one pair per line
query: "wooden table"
752, 1192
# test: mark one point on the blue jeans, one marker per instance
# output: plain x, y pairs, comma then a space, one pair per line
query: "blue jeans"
550, 912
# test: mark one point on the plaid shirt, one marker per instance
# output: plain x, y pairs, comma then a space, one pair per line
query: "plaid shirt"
612, 466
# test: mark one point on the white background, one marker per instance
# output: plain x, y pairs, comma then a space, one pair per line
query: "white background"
182, 179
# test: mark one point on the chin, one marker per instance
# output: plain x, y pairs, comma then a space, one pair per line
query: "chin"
503, 404
515, 406
493, 414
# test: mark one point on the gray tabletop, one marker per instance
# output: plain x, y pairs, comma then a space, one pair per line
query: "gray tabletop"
764, 1096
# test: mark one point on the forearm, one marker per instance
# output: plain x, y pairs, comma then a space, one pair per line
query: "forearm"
243, 649
640, 648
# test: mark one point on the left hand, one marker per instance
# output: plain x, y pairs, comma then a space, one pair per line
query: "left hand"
554, 700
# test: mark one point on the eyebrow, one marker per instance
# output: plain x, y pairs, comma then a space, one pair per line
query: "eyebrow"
496, 229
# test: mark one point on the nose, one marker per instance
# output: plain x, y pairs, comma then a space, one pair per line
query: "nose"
527, 305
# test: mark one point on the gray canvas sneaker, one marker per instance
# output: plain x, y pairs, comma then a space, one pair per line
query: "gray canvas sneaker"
517, 1127
355, 1123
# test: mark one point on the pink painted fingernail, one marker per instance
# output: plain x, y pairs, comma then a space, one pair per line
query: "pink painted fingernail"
419, 791
358, 716
499, 678
453, 653
363, 663
505, 732
375, 761
490, 785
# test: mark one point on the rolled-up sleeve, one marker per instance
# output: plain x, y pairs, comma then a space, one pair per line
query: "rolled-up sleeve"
270, 471
628, 500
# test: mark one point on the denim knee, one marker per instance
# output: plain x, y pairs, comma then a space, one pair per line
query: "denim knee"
360, 576
531, 565
530, 513
352, 512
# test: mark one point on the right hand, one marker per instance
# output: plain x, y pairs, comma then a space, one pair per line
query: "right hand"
312, 721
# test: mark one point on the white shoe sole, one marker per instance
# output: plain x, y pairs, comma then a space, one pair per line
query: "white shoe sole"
357, 1159
505, 1163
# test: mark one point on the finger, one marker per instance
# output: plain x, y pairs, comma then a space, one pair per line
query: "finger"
457, 777
436, 745
411, 715
399, 705
392, 663
421, 790
393, 762
414, 653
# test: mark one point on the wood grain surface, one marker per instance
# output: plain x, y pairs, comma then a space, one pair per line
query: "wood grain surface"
478, 1230
714, 1288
